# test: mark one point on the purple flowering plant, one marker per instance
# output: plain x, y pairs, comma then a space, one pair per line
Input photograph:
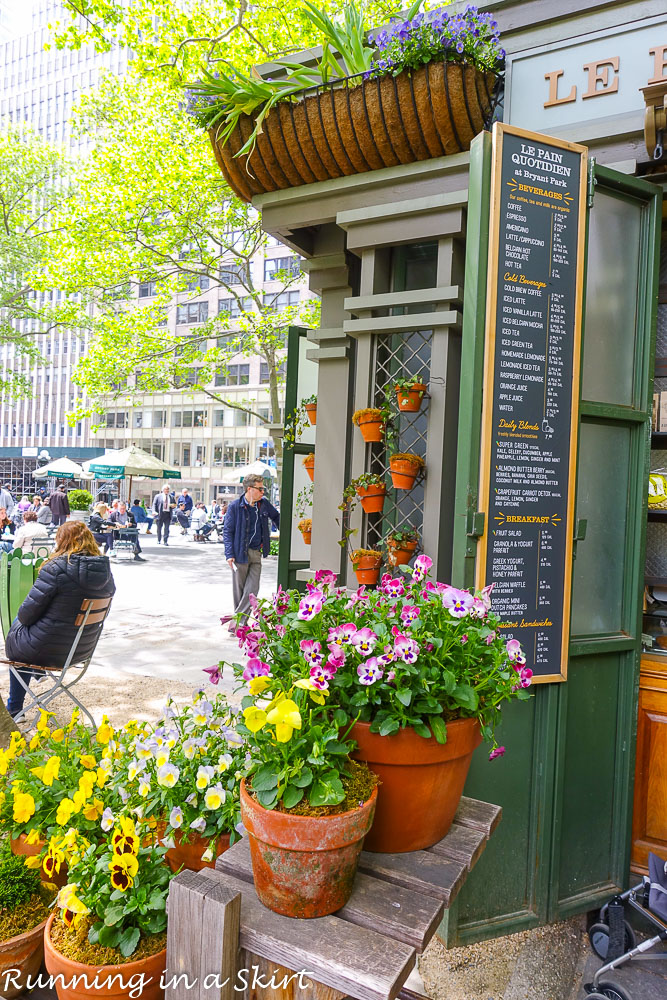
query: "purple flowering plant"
413, 652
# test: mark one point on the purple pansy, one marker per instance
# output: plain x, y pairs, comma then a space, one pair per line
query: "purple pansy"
214, 672
392, 586
513, 648
364, 641
310, 605
319, 678
497, 752
421, 567
406, 649
312, 651
409, 612
341, 635
457, 602
256, 668
387, 657
370, 671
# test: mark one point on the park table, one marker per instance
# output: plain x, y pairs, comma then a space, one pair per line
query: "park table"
218, 928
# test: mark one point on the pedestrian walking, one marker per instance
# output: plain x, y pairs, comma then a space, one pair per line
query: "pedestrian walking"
59, 506
6, 499
247, 537
162, 507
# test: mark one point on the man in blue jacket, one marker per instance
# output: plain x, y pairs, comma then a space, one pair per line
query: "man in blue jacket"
247, 538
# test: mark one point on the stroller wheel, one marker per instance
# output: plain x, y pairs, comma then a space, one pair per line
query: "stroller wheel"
611, 991
598, 935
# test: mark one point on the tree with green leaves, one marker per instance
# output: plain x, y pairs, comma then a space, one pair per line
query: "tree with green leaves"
33, 179
151, 206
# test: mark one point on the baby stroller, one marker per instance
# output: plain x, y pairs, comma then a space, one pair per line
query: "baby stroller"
613, 939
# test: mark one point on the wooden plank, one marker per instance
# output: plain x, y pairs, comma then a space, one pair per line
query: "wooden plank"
268, 981
462, 843
419, 871
390, 909
185, 907
219, 948
353, 960
479, 815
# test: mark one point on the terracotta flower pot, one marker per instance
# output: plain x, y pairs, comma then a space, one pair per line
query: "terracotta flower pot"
306, 536
421, 783
432, 111
403, 473
21, 848
189, 855
371, 429
372, 497
304, 866
367, 570
311, 411
109, 977
410, 400
400, 553
25, 953
309, 466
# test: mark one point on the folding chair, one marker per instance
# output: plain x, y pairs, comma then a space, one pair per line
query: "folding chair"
92, 614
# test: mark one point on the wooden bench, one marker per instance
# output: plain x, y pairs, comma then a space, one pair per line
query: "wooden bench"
219, 931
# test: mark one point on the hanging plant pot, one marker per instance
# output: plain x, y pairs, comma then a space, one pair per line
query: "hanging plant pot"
306, 528
309, 465
115, 980
400, 553
371, 424
372, 497
304, 866
366, 565
421, 783
23, 954
434, 111
311, 412
404, 470
410, 398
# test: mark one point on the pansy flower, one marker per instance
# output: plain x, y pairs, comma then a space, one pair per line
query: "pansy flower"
387, 657
204, 776
458, 602
370, 671
421, 567
478, 609
358, 595
176, 818
341, 635
256, 668
497, 752
513, 648
406, 649
525, 676
392, 586
364, 641
214, 672
310, 605
318, 678
167, 775
312, 651
409, 612
280, 601
325, 577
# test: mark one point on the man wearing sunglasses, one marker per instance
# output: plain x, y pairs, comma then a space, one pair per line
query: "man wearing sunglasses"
247, 537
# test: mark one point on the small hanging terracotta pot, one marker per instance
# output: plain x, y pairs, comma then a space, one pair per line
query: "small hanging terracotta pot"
306, 530
371, 425
304, 866
410, 399
372, 497
404, 470
400, 553
309, 465
311, 410
367, 568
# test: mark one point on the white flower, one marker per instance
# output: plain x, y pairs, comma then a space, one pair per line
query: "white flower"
144, 787
191, 799
198, 824
204, 775
162, 757
134, 768
208, 854
224, 762
176, 818
107, 820
215, 796
168, 775
189, 748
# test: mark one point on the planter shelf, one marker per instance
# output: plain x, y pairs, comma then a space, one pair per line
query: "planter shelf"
346, 129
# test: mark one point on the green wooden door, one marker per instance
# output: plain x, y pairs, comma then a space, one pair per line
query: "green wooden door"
293, 554
565, 784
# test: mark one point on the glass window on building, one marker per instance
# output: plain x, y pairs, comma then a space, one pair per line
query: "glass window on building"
186, 454
264, 372
218, 418
188, 377
272, 265
147, 289
187, 418
176, 418
201, 283
234, 307
236, 453
274, 303
234, 375
199, 418
157, 450
217, 454
241, 418
192, 312
200, 454
159, 418
137, 418
235, 273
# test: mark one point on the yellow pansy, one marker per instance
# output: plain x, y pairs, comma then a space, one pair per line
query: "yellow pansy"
79, 799
33, 837
71, 906
73, 721
104, 732
65, 811
34, 862
35, 741
58, 735
88, 761
4, 761
102, 776
24, 807
286, 718
123, 868
254, 718
94, 810
258, 684
307, 684
162, 757
87, 783
51, 769
214, 797
44, 717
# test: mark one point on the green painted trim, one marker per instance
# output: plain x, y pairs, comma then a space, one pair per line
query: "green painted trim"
608, 411
582, 646
285, 566
472, 359
5, 618
400, 324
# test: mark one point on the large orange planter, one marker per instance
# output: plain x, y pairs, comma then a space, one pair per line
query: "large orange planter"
421, 783
403, 473
311, 412
367, 570
371, 429
400, 553
21, 848
410, 400
25, 953
304, 866
372, 497
109, 977
309, 466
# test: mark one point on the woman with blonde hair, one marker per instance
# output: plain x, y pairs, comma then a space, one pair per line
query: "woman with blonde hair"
43, 631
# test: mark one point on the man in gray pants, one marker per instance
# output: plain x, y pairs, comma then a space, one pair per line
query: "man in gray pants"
247, 538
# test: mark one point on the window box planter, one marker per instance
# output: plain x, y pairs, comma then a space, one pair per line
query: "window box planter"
355, 127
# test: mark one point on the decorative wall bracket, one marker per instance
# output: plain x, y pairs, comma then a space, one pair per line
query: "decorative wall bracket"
655, 119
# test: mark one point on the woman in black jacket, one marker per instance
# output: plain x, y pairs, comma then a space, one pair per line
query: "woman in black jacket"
43, 631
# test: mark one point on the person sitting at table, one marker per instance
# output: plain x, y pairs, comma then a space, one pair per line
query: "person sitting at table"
42, 510
141, 515
6, 525
101, 527
29, 534
122, 518
44, 629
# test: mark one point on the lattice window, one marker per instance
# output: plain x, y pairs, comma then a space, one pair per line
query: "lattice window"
399, 356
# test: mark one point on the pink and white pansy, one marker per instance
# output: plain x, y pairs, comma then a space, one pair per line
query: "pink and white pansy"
364, 641
370, 671
341, 635
312, 651
409, 614
256, 668
405, 648
421, 567
392, 586
310, 605
458, 602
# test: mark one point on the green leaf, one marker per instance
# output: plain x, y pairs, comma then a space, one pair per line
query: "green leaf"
389, 726
264, 779
340, 717
113, 915
422, 730
129, 941
336, 747
267, 799
327, 792
109, 936
466, 697
439, 728
404, 696
292, 796
303, 779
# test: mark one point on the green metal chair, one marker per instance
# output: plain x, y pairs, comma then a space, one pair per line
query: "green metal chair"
18, 572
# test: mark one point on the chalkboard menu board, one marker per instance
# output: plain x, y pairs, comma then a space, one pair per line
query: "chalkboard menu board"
531, 390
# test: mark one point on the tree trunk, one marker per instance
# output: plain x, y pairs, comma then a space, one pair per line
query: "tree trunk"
7, 726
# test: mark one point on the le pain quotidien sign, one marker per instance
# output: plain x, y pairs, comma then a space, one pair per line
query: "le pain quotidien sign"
531, 390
